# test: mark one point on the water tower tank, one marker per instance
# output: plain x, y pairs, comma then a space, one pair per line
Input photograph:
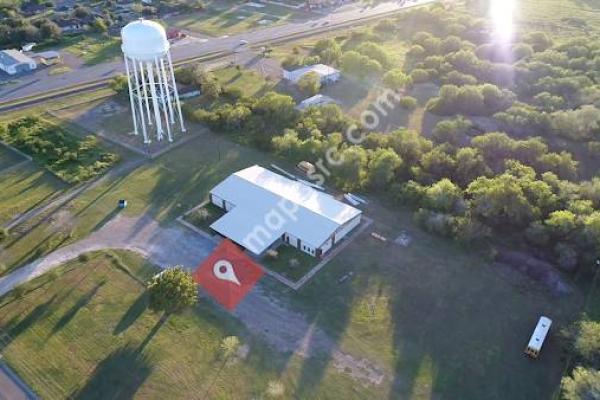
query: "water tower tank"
152, 89
144, 39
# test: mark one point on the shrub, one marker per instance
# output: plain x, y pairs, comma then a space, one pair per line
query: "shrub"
84, 257
408, 102
4, 233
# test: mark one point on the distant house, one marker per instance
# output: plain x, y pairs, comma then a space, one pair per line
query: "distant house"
326, 73
47, 57
32, 8
315, 101
13, 62
71, 25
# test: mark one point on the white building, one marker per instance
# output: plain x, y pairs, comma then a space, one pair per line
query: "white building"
326, 73
315, 101
265, 209
13, 62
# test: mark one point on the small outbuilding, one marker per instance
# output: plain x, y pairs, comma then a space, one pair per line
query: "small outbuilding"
315, 101
49, 57
13, 62
326, 73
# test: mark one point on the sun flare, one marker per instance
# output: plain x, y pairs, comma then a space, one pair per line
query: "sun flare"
502, 15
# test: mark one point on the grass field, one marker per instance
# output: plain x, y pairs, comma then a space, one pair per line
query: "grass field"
85, 332
92, 48
25, 187
9, 157
232, 19
560, 17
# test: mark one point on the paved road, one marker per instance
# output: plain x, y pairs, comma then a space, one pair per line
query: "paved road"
173, 244
40, 82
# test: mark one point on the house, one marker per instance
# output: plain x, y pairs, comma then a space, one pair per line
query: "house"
49, 57
265, 209
326, 73
314, 101
13, 62
71, 25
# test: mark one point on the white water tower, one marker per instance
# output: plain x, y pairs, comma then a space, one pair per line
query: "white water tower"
152, 89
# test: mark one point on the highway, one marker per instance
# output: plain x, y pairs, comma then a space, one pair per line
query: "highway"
40, 82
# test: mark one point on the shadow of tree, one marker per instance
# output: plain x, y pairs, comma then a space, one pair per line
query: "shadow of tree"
132, 314
118, 376
79, 304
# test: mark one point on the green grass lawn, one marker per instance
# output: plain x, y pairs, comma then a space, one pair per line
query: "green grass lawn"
232, 19
204, 216
285, 265
25, 187
85, 332
557, 16
9, 157
92, 48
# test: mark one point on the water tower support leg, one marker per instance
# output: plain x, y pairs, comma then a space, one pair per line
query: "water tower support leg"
175, 91
162, 98
140, 105
159, 129
133, 113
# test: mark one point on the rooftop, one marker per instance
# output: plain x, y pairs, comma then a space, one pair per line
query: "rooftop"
12, 56
271, 204
321, 69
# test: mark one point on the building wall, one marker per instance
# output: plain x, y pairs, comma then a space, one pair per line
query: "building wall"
8, 69
216, 200
347, 227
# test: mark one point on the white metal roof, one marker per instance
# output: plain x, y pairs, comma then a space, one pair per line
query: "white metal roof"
11, 56
321, 69
539, 334
315, 100
269, 205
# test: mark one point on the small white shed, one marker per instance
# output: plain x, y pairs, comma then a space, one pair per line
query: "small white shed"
328, 74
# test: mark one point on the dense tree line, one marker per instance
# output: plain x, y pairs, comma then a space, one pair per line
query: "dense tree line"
70, 158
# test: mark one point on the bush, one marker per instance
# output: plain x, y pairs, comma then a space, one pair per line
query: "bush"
84, 257
310, 83
3, 234
408, 102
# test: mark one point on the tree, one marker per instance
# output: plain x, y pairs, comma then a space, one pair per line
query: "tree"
310, 83
408, 102
382, 167
451, 131
396, 79
443, 196
119, 84
540, 41
172, 290
587, 342
99, 25
584, 384
4, 233
350, 174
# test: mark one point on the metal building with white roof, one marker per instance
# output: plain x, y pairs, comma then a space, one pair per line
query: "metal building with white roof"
265, 209
13, 61
325, 72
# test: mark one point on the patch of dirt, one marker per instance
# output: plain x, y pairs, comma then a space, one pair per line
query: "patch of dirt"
536, 269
